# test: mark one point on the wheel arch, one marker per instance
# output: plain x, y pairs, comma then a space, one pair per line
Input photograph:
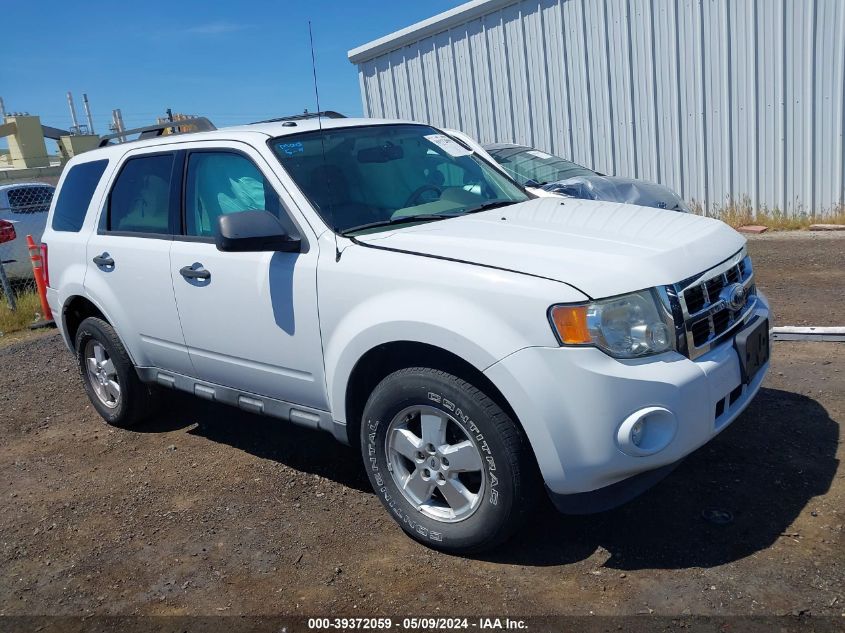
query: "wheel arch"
75, 310
382, 360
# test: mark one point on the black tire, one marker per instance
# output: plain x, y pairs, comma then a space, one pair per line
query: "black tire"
137, 400
508, 468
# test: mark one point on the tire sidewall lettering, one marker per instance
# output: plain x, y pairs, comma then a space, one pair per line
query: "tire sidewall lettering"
380, 479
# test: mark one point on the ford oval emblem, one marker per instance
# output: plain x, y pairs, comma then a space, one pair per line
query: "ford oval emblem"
734, 296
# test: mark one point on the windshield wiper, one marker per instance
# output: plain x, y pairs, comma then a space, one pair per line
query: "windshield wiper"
427, 217
405, 219
493, 204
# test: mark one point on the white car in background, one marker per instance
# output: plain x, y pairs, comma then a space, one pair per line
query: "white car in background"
538, 170
25, 205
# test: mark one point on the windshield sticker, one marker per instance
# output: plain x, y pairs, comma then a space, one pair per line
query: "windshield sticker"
292, 148
448, 145
538, 154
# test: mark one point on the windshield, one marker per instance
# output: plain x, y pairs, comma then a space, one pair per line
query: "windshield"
370, 177
533, 168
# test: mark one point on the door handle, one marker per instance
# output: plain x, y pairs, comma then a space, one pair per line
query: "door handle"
195, 272
104, 261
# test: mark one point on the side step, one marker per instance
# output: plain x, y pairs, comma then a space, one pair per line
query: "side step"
253, 403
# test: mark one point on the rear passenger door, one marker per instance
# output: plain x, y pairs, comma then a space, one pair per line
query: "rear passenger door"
128, 259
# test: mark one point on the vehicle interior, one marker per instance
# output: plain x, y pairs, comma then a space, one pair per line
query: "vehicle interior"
354, 176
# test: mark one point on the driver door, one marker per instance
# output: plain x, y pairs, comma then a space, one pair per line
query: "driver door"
250, 319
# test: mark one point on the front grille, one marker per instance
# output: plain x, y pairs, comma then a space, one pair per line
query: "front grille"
714, 303
700, 331
695, 299
721, 321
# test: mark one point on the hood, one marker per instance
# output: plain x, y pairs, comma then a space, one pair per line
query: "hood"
616, 189
601, 248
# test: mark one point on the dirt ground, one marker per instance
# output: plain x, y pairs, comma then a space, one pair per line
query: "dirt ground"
804, 274
209, 510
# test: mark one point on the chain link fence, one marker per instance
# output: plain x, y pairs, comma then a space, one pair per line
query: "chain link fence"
23, 211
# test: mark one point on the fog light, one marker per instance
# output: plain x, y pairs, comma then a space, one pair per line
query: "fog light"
637, 433
646, 431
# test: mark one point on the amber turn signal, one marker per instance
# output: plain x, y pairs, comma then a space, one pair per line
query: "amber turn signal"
571, 324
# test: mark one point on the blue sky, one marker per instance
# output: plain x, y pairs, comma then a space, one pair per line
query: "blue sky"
235, 62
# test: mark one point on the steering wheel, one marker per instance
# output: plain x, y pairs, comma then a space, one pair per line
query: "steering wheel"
412, 199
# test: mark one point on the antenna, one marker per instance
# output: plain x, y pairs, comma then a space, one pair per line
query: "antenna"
322, 143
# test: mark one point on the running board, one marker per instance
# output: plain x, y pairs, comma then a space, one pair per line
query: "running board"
821, 334
262, 405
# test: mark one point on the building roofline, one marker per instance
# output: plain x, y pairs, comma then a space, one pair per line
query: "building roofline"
432, 26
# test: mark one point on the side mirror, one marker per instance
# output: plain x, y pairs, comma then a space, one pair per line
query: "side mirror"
253, 231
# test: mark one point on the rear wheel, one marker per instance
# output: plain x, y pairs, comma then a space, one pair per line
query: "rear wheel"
109, 377
450, 466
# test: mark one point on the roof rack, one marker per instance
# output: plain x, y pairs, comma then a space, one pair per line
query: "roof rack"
328, 114
200, 124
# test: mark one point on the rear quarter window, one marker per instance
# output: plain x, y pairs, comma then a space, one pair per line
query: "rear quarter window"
75, 195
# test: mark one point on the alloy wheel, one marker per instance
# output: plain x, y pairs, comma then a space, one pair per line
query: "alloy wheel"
435, 463
102, 374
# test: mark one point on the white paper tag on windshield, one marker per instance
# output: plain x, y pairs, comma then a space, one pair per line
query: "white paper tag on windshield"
448, 145
538, 154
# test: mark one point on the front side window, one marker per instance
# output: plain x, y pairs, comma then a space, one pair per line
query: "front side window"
223, 182
370, 177
533, 168
75, 195
140, 199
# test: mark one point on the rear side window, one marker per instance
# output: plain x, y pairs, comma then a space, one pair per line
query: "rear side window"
30, 199
140, 199
75, 195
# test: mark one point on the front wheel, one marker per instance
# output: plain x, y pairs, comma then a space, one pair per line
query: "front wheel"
449, 465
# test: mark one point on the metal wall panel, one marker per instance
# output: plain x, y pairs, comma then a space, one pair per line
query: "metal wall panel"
719, 99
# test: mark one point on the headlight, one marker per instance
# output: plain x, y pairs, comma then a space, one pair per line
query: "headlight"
627, 326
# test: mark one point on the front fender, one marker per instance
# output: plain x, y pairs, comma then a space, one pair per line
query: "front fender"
373, 296
435, 319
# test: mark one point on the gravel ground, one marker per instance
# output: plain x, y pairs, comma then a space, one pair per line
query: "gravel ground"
804, 272
209, 510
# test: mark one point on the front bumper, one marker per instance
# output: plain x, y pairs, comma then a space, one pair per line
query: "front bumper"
572, 403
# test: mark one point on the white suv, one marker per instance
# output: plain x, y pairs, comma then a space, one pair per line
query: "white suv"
381, 281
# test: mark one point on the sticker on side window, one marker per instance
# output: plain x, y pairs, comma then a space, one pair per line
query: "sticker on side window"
538, 154
448, 145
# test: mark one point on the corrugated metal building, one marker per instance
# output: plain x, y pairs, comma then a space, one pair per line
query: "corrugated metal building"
718, 99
